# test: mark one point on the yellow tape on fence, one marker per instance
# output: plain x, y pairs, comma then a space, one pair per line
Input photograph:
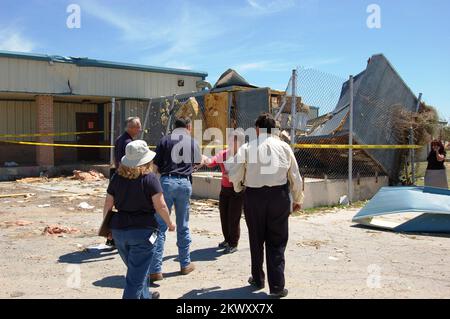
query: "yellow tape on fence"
298, 146
355, 147
50, 134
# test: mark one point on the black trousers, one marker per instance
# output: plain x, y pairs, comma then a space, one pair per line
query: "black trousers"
267, 212
230, 207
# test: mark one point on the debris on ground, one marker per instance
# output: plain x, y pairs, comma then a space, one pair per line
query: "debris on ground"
33, 180
333, 258
312, 243
343, 200
15, 223
57, 230
89, 176
85, 205
43, 206
26, 195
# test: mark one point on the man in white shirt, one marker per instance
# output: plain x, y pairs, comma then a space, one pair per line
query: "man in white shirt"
267, 168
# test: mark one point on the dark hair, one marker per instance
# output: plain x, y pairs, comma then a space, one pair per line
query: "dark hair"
182, 122
266, 121
440, 145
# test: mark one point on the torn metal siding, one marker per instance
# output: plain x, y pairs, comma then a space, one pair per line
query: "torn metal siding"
432, 205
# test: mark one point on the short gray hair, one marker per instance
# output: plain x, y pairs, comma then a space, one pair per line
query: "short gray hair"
133, 121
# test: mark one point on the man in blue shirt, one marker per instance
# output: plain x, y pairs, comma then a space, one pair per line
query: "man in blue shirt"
176, 156
132, 132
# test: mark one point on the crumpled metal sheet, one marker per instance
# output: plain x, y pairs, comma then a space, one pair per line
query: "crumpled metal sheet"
433, 205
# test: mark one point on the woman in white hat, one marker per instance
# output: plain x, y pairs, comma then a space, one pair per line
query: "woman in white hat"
136, 193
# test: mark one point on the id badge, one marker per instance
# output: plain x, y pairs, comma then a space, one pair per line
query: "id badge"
153, 238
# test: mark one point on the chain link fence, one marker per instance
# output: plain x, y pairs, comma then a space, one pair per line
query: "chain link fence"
383, 121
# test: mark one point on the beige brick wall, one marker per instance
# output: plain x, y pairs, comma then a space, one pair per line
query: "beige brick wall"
45, 124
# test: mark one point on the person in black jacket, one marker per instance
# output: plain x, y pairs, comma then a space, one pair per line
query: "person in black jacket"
436, 175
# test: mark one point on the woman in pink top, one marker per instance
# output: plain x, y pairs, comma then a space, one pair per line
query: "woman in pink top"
230, 202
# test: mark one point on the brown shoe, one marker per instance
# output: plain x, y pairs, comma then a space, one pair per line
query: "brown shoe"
156, 277
188, 269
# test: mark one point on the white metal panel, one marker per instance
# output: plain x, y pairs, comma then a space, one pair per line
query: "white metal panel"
17, 117
21, 75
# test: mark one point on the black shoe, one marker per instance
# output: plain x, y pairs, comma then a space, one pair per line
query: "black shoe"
223, 244
283, 293
155, 295
230, 250
110, 242
253, 282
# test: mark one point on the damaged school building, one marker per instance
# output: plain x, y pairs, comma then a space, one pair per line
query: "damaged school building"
41, 94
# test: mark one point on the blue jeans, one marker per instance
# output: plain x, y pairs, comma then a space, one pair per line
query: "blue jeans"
177, 191
137, 252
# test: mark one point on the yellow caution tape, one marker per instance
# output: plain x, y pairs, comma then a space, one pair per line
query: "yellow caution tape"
356, 147
57, 145
304, 146
50, 134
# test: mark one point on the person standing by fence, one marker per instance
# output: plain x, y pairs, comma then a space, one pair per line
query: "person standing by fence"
436, 175
269, 171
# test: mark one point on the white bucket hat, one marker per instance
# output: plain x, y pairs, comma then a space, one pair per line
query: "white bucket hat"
137, 154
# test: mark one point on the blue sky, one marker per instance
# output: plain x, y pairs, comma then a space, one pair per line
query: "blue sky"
262, 39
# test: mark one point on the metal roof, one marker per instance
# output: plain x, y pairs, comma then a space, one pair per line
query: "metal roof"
433, 205
86, 62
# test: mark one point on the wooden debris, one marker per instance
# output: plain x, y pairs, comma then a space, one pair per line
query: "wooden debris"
26, 195
16, 223
33, 180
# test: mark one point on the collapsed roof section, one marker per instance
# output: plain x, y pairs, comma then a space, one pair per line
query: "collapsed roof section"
378, 91
231, 78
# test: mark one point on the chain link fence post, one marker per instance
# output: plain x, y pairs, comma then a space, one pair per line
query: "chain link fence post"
113, 116
294, 108
350, 143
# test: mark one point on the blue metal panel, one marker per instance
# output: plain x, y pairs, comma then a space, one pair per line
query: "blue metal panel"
434, 203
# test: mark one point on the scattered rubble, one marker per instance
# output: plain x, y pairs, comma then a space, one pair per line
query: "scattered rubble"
26, 195
33, 180
312, 243
15, 223
85, 205
90, 176
57, 230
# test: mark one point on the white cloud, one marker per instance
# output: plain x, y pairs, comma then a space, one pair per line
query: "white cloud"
163, 42
267, 66
13, 40
264, 7
178, 65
